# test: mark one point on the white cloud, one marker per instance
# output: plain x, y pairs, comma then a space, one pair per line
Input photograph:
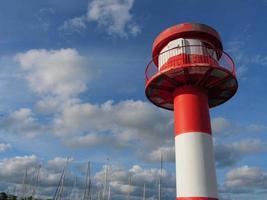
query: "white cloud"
245, 178
91, 140
22, 122
112, 15
4, 147
140, 175
58, 163
167, 153
222, 126
230, 154
127, 122
250, 146
12, 169
56, 72
56, 76
76, 24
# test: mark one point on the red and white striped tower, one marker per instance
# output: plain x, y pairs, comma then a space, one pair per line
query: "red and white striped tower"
190, 73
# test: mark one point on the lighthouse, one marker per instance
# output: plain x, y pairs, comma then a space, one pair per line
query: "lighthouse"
190, 73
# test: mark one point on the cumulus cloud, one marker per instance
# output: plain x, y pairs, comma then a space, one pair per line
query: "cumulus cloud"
92, 140
166, 152
55, 72
57, 76
12, 169
58, 163
127, 122
245, 180
113, 16
76, 24
229, 154
246, 177
4, 147
22, 122
223, 126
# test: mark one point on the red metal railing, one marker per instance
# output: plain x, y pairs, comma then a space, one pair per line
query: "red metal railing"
204, 55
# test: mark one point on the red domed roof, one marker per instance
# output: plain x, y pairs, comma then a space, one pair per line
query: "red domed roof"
186, 30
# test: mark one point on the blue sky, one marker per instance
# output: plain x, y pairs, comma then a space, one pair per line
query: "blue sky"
72, 84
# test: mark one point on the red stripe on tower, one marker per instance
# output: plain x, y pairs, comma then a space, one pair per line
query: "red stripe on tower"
191, 110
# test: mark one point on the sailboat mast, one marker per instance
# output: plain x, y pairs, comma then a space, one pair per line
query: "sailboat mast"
59, 190
36, 181
106, 180
159, 189
90, 185
109, 192
129, 188
62, 186
87, 190
73, 189
144, 192
24, 184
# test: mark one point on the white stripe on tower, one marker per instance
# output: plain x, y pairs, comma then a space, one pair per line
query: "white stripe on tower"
195, 172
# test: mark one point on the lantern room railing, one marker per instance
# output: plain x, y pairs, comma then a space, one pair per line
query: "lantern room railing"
184, 56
